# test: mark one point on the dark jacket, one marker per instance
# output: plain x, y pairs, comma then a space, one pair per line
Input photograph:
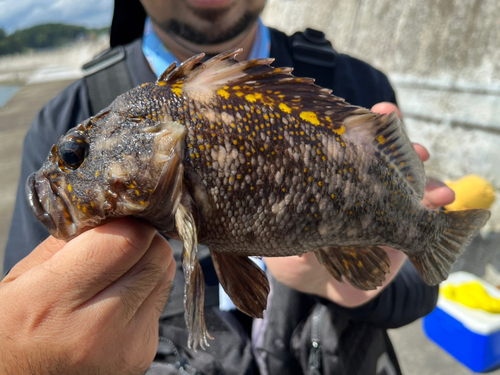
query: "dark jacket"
355, 342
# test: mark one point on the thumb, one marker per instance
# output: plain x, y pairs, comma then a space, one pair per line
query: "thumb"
385, 108
39, 255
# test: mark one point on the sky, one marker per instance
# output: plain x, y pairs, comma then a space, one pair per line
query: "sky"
19, 14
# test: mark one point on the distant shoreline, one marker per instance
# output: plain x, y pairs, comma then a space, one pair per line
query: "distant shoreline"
33, 67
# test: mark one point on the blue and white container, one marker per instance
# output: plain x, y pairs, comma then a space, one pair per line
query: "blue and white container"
470, 335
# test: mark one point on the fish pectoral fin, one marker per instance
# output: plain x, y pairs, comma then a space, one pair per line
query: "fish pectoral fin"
244, 282
194, 293
363, 267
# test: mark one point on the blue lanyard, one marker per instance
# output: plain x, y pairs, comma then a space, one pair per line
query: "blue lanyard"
159, 57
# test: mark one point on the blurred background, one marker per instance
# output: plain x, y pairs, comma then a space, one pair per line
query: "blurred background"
442, 57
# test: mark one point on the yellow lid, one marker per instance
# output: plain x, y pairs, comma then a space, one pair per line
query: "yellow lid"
471, 191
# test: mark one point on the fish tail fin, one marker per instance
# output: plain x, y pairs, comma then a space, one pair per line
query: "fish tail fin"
435, 262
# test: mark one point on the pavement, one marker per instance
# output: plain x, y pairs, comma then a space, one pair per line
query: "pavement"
15, 119
417, 354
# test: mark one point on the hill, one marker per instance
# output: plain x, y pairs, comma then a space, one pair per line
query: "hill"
50, 35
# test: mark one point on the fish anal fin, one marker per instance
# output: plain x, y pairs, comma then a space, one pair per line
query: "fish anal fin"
363, 267
194, 293
387, 135
243, 281
435, 261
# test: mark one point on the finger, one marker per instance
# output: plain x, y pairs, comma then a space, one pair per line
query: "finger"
385, 108
146, 319
154, 304
40, 254
96, 258
437, 194
127, 294
421, 151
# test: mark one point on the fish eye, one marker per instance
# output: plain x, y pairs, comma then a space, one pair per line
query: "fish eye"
72, 150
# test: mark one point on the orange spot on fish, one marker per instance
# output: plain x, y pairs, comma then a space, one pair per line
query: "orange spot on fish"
251, 98
177, 89
309, 117
285, 108
223, 93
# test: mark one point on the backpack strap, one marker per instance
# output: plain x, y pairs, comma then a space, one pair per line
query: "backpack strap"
313, 56
106, 77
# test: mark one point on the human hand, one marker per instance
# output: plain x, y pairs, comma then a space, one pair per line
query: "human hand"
306, 275
437, 194
89, 306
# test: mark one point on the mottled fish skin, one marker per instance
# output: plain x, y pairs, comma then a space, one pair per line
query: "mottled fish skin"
250, 160
280, 180
271, 178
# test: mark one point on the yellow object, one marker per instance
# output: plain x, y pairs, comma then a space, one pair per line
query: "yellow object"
471, 191
471, 294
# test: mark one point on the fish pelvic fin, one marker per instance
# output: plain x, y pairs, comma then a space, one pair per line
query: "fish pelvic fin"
435, 262
388, 136
243, 281
194, 293
364, 267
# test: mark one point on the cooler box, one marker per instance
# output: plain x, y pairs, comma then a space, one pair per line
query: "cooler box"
472, 336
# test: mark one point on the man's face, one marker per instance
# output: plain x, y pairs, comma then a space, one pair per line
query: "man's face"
204, 22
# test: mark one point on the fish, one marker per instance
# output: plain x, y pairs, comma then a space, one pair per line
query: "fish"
250, 160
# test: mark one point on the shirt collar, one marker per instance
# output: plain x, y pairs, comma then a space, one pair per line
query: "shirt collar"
159, 57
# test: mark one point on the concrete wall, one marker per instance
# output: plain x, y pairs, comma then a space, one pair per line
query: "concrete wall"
442, 57
443, 39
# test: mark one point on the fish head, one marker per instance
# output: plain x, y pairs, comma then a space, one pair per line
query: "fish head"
125, 161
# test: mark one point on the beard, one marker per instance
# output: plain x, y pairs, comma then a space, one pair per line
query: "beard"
213, 34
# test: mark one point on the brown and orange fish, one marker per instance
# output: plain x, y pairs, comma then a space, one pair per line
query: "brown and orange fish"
250, 160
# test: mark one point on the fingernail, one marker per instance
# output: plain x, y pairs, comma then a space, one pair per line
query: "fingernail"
434, 184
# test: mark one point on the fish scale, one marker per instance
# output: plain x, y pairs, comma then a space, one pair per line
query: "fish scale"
250, 160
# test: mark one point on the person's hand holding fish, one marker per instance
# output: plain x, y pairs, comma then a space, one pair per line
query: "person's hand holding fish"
305, 274
87, 306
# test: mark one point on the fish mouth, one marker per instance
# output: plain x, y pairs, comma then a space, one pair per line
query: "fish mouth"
49, 208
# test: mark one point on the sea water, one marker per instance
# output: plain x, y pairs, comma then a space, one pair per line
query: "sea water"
6, 93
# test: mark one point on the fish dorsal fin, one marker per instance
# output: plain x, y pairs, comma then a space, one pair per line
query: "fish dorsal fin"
224, 69
166, 73
173, 73
387, 134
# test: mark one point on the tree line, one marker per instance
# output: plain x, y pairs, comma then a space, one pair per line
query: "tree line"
50, 35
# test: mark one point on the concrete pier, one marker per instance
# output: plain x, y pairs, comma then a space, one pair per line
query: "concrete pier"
15, 119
